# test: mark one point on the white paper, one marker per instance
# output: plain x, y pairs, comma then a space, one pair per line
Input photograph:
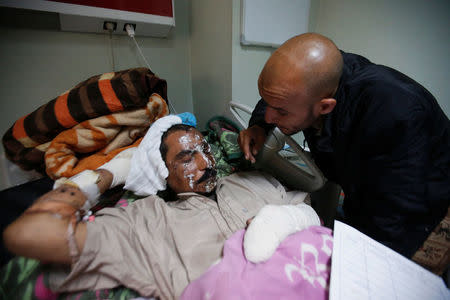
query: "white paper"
362, 268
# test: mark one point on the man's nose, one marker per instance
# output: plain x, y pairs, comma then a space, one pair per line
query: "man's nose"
202, 161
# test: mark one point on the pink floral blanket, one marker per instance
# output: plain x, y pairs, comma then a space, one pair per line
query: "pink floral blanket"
299, 269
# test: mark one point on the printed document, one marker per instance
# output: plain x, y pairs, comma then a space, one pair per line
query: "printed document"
362, 268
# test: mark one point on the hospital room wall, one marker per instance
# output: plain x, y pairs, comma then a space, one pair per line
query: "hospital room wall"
248, 62
39, 64
411, 36
210, 29
222, 69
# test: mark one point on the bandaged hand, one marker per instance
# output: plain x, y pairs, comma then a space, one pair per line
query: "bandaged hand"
272, 225
119, 166
86, 181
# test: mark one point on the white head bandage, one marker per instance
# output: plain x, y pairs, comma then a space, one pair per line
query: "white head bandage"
148, 171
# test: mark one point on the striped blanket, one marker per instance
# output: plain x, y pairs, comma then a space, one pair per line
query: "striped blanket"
97, 118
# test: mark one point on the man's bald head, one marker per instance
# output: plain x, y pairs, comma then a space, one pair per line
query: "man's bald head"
299, 82
308, 63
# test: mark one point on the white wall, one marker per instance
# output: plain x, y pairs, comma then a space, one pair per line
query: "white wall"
210, 57
412, 36
248, 62
222, 69
39, 64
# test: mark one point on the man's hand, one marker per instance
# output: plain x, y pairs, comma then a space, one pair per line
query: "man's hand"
41, 232
251, 140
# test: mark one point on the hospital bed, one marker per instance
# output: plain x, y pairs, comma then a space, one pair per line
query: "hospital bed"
281, 155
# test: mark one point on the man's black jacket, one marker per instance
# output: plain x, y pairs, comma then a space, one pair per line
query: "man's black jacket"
387, 144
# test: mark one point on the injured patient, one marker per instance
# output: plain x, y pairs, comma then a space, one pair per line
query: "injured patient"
158, 248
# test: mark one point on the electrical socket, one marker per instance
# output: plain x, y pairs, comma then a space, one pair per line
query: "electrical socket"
125, 26
106, 23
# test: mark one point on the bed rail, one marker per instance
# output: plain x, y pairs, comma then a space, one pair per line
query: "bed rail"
283, 157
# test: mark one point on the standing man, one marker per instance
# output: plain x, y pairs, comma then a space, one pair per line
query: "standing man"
374, 131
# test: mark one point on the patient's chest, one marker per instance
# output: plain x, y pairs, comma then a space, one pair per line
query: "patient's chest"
198, 233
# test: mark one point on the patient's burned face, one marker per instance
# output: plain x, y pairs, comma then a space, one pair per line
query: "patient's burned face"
190, 162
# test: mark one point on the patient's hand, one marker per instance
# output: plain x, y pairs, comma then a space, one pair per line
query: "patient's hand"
57, 199
41, 231
91, 183
272, 225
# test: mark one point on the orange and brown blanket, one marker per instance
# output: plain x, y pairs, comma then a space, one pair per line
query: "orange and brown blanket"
89, 124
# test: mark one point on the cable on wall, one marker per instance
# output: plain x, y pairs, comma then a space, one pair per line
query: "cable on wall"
130, 31
110, 26
112, 51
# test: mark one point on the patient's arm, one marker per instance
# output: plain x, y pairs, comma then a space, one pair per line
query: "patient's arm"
272, 225
118, 169
41, 231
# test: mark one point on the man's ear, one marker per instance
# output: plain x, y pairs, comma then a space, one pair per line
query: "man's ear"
326, 105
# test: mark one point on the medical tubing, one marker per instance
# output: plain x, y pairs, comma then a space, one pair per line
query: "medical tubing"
112, 51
